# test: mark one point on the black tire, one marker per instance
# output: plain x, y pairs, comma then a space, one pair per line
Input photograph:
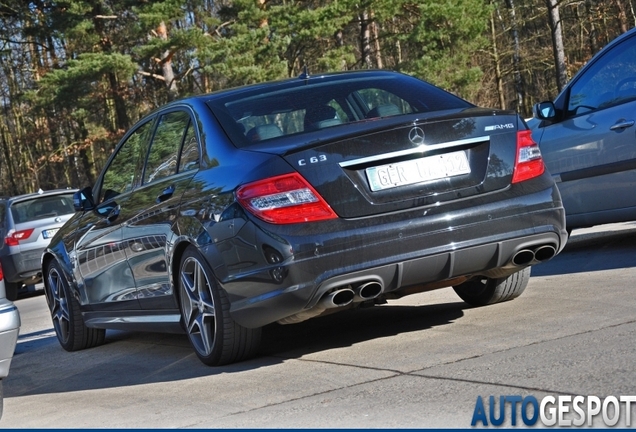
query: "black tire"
482, 292
68, 323
205, 314
11, 289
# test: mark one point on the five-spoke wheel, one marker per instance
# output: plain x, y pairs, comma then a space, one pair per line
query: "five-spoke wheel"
213, 334
66, 314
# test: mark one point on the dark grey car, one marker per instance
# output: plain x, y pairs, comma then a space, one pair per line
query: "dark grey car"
280, 202
588, 137
27, 224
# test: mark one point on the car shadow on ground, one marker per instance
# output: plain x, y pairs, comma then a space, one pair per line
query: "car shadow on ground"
40, 366
581, 253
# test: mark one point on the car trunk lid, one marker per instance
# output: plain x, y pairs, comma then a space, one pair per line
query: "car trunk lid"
418, 163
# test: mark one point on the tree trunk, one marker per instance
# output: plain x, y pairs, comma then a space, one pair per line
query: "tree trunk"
516, 60
166, 64
376, 42
622, 16
497, 61
558, 49
365, 37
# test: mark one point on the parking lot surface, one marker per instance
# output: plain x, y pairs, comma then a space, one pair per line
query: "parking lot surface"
419, 362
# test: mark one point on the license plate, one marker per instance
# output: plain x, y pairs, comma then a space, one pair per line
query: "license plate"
418, 170
49, 233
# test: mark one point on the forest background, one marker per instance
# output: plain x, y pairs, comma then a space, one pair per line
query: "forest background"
76, 74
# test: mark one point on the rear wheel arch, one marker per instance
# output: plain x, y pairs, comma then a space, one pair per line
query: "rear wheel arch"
205, 312
175, 263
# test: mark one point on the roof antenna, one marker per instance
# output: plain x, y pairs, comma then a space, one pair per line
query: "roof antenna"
305, 74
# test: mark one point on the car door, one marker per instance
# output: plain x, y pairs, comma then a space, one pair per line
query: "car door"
99, 256
171, 163
591, 148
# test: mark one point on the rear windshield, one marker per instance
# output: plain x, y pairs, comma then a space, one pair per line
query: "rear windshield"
267, 113
42, 207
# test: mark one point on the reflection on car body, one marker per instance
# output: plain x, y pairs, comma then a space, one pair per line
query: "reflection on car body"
588, 139
280, 201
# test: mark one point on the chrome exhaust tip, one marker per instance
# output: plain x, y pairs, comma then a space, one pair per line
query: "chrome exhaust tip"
368, 291
544, 253
338, 298
523, 257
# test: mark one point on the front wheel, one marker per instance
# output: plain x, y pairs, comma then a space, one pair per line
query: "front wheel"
205, 312
68, 323
481, 292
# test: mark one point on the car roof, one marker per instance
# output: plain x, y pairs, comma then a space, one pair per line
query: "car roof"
41, 193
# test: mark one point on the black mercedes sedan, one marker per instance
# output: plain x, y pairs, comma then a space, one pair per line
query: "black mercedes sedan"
279, 202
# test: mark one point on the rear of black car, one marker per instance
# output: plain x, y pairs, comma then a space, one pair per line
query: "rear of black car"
391, 186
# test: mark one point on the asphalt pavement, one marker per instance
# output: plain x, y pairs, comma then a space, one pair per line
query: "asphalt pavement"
421, 362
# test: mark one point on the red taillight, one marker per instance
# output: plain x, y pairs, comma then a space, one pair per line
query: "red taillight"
14, 238
1, 274
529, 163
284, 199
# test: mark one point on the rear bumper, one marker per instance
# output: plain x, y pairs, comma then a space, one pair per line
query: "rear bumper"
23, 266
398, 251
9, 328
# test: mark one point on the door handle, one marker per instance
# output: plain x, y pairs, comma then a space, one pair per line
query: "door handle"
165, 194
622, 124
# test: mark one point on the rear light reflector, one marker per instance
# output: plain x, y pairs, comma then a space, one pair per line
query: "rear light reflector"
529, 162
284, 199
13, 238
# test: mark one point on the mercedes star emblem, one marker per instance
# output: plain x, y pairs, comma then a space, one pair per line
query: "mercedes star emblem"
416, 135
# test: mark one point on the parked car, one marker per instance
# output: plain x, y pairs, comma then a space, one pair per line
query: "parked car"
9, 328
588, 137
27, 224
221, 213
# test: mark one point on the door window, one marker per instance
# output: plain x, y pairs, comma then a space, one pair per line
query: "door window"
609, 81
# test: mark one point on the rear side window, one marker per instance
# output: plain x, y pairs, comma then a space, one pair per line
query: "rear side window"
42, 208
123, 172
190, 152
164, 150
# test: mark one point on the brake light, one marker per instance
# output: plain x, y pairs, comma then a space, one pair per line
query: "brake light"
529, 162
1, 273
284, 199
14, 238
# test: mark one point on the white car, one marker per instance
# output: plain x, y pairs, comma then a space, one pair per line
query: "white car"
9, 328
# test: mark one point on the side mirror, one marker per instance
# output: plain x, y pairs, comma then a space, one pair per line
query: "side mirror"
83, 200
544, 110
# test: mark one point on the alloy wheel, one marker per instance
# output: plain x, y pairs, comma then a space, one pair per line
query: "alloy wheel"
197, 301
58, 304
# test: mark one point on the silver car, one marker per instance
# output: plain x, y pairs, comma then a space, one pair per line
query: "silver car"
27, 224
9, 328
587, 137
